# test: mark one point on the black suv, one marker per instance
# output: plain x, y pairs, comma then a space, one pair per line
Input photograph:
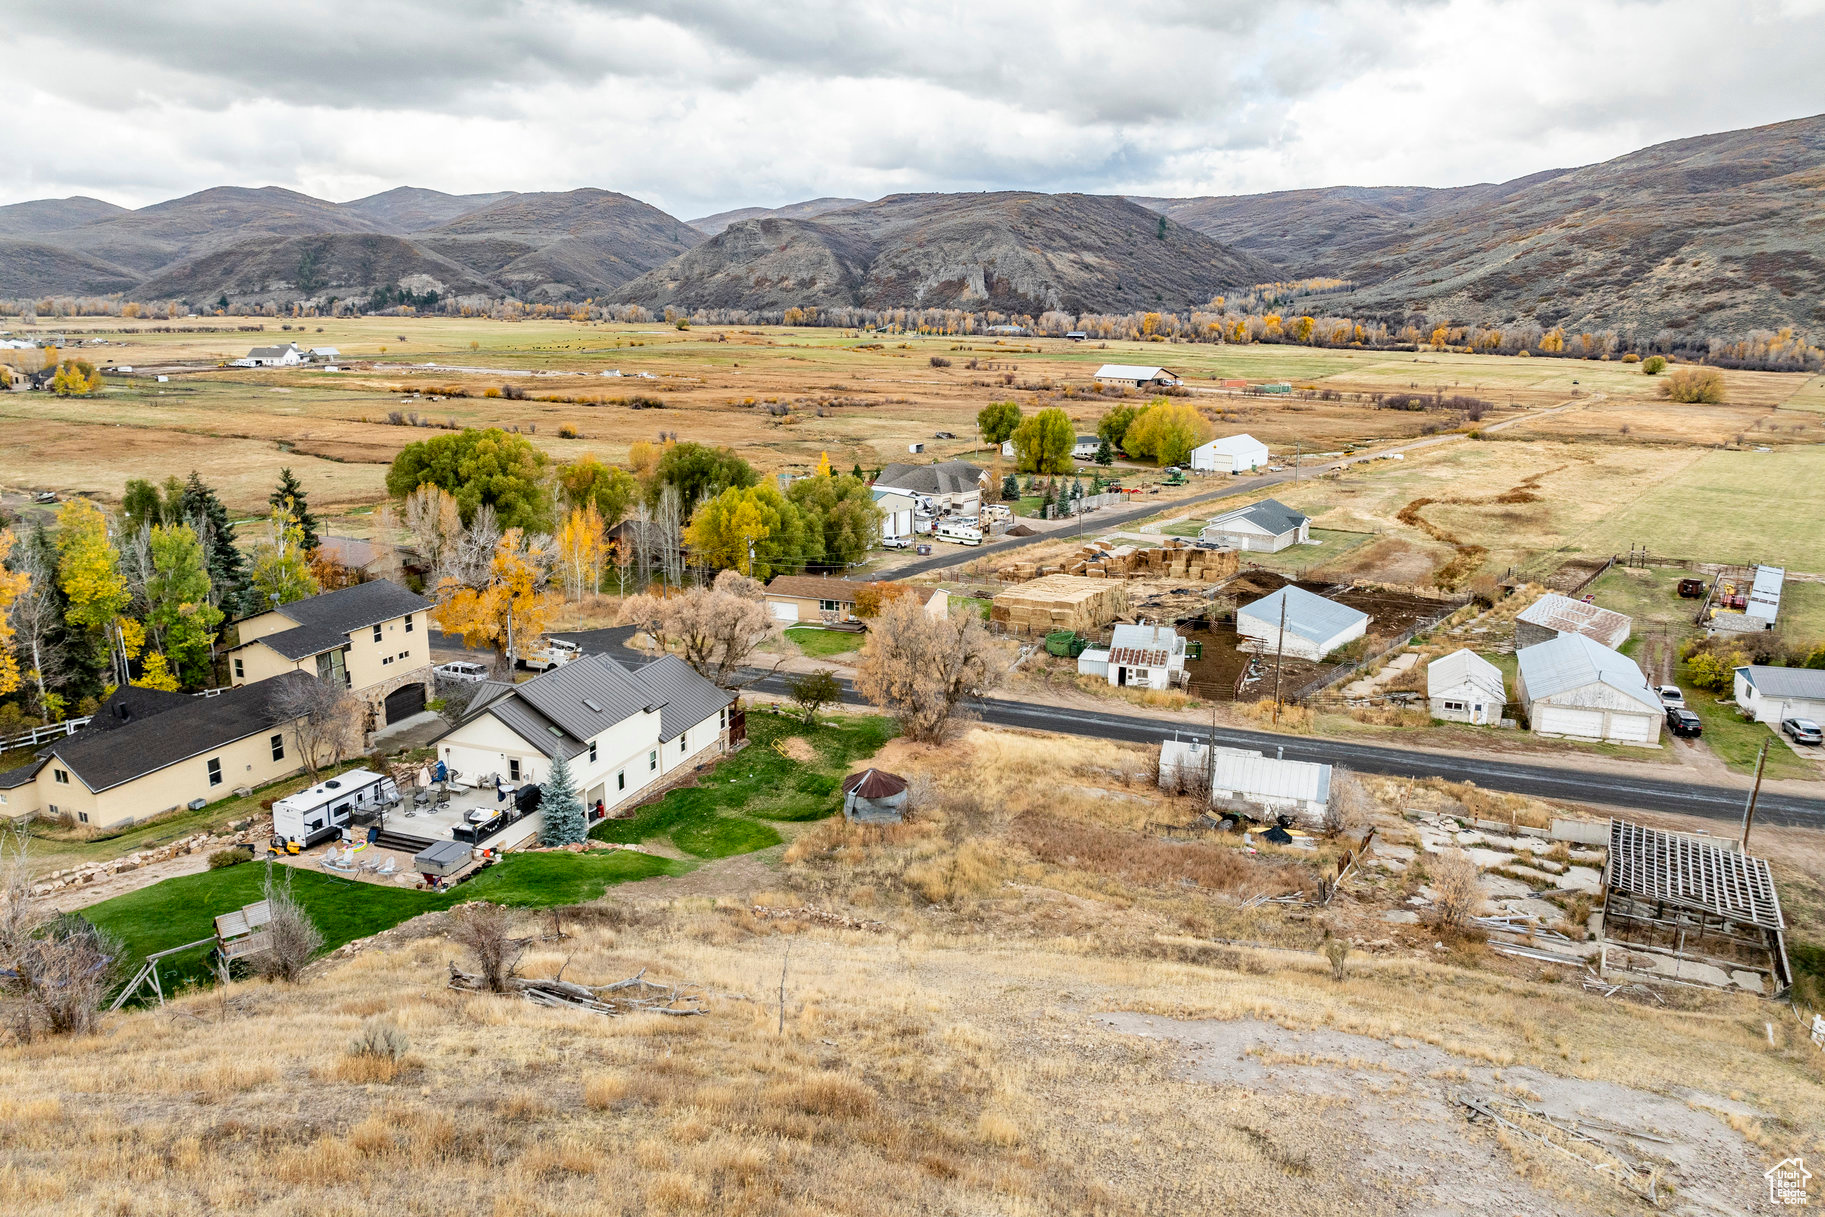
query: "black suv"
1684, 722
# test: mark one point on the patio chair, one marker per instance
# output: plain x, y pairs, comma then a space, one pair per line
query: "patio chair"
386, 869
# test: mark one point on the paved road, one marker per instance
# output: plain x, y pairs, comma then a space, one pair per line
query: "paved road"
1643, 791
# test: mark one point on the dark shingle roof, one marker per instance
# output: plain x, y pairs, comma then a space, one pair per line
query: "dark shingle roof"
1270, 514
25, 773
130, 703
105, 757
948, 477
559, 711
324, 621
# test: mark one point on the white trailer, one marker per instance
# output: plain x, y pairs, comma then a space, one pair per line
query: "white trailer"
325, 809
960, 533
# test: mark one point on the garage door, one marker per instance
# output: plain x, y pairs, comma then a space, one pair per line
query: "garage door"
404, 702
1562, 720
1634, 728
783, 610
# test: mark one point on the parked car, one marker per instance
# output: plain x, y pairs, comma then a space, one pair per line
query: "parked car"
895, 543
1801, 730
461, 670
1692, 589
1671, 696
1681, 721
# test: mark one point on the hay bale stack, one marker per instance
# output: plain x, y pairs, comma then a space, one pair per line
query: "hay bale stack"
1059, 602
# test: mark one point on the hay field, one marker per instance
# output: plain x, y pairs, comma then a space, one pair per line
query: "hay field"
1734, 507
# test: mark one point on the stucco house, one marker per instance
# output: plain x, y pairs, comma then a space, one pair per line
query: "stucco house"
1265, 527
372, 636
946, 488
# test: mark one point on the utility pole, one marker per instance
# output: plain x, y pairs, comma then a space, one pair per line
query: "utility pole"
1280, 653
1754, 792
1298, 451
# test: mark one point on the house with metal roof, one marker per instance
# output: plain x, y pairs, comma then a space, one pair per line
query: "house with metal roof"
145, 753
286, 356
1311, 626
372, 637
1553, 614
1265, 527
622, 731
1463, 687
1772, 694
1230, 454
1576, 687
1136, 376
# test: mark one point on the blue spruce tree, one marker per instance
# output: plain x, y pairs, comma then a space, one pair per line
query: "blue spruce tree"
564, 820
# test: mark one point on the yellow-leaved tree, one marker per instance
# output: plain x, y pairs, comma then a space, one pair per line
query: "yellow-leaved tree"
504, 605
823, 465
88, 571
12, 586
281, 571
581, 550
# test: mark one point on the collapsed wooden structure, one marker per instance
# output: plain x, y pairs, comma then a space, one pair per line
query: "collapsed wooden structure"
1692, 901
635, 995
1175, 559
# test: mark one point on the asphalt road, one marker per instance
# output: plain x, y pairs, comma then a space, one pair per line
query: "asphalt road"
1601, 787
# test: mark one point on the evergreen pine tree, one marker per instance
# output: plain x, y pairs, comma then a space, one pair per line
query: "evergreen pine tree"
1105, 455
289, 493
856, 473
227, 577
1010, 488
564, 823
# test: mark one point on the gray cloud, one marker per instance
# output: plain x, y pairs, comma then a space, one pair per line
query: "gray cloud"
700, 105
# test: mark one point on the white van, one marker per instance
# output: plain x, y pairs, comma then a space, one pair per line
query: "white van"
324, 810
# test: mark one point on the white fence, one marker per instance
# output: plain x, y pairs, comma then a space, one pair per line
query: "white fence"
38, 735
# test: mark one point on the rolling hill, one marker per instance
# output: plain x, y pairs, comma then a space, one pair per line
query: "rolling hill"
408, 209
810, 209
1010, 251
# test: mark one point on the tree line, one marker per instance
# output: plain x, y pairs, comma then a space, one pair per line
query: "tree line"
1161, 430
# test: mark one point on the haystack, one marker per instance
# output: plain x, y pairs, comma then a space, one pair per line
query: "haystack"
1060, 602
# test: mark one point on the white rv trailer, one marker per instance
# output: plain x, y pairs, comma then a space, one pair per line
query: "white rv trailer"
959, 532
323, 810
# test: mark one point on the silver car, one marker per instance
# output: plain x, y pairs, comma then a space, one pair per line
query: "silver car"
461, 671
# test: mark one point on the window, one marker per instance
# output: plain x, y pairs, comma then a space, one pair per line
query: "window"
513, 769
830, 606
405, 654
240, 670
81, 815
278, 747
215, 771
621, 780
62, 776
681, 740
652, 760
408, 623
385, 660
1454, 705
592, 751
376, 633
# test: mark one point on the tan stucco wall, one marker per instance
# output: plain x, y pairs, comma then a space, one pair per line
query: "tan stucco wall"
369, 663
245, 762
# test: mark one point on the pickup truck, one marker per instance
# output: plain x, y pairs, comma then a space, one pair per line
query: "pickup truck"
555, 654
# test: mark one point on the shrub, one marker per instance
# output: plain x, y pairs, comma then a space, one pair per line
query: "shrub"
939, 361
1694, 385
1653, 365
224, 858
566, 431
1631, 357
491, 392
1457, 888
1337, 950
379, 1038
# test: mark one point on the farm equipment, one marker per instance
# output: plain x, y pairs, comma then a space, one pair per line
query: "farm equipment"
1692, 589
1174, 477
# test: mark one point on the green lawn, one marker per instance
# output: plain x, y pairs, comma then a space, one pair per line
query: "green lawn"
817, 644
1735, 741
181, 910
726, 812
1720, 510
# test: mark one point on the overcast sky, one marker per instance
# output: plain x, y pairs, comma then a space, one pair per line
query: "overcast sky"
703, 105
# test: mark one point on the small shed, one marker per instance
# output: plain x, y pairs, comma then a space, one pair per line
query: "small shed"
1231, 454
1553, 614
874, 796
1238, 774
1463, 687
1314, 626
1145, 657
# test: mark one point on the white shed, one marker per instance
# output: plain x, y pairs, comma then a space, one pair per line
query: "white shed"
1771, 694
1271, 783
1314, 626
896, 514
1576, 687
1231, 454
1145, 657
1265, 527
1463, 687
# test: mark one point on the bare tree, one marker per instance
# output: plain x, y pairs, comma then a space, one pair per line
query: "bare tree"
486, 930
1348, 811
432, 525
35, 625
55, 968
294, 937
716, 629
919, 668
668, 528
1457, 888
328, 720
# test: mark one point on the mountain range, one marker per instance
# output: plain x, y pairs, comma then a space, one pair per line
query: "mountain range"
1716, 234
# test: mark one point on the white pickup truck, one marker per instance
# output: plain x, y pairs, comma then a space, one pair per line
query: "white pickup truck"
555, 654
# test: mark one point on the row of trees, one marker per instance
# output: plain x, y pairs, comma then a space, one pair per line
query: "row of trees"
1161, 431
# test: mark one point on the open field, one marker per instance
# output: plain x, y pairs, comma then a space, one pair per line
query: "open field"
1735, 507
860, 397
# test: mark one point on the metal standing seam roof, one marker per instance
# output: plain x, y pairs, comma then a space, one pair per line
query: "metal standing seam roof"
1807, 684
1677, 869
1271, 515
1555, 612
686, 698
1132, 371
1765, 595
559, 711
874, 784
1572, 661
1462, 667
1307, 615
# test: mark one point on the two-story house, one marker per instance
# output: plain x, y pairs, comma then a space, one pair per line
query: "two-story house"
372, 637
621, 731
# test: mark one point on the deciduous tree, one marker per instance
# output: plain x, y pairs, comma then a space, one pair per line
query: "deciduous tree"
756, 531
997, 421
812, 691
580, 549
178, 612
204, 511
500, 602
1114, 424
1043, 443
88, 571
1166, 432
487, 467
280, 572
700, 471
328, 720
587, 482
13, 585
919, 668
842, 511
715, 629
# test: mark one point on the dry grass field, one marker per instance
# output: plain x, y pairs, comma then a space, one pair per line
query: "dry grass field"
983, 1010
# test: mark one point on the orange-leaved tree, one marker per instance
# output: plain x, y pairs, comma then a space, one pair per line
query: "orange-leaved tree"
504, 604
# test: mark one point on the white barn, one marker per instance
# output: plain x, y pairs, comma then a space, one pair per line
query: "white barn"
1771, 694
1143, 657
276, 357
1271, 783
1231, 454
1576, 687
896, 514
621, 731
1265, 527
1463, 687
1135, 376
1314, 626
